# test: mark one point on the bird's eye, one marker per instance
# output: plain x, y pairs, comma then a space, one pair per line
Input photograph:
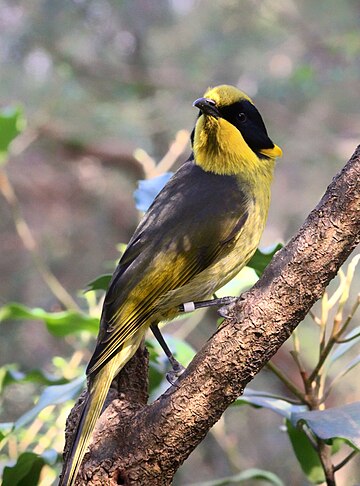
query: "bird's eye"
242, 117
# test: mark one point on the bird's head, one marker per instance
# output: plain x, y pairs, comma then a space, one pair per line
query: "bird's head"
230, 135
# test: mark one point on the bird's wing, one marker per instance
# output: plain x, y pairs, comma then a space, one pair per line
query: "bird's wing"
190, 223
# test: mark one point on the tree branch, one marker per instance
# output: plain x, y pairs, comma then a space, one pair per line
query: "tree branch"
146, 444
111, 153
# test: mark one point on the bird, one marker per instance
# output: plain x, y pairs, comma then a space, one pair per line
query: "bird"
199, 232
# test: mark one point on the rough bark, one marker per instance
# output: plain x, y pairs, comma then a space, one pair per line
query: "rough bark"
140, 444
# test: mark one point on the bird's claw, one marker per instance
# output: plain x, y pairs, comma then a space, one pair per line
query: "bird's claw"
226, 310
173, 375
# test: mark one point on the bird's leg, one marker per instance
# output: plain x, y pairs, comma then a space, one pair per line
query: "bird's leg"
217, 302
177, 368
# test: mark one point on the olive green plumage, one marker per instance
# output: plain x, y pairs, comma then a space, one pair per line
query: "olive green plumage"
201, 229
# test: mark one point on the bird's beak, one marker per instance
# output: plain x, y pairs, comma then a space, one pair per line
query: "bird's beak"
273, 153
207, 107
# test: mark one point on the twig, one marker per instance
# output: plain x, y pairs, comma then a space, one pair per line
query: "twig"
338, 330
296, 357
346, 460
176, 148
31, 246
315, 318
324, 319
322, 359
287, 382
325, 458
347, 321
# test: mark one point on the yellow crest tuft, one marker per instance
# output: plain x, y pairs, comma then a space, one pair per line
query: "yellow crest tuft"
226, 95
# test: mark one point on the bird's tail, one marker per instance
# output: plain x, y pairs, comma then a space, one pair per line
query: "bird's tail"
94, 402
93, 405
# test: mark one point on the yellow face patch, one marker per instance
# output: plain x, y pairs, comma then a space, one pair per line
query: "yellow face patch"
219, 147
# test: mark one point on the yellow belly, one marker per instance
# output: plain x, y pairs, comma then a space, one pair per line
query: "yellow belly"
225, 268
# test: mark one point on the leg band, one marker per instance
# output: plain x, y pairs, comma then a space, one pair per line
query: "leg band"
189, 306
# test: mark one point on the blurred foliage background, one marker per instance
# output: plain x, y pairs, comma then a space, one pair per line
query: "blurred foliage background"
99, 79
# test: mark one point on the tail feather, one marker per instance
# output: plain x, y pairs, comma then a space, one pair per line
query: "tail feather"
89, 416
98, 390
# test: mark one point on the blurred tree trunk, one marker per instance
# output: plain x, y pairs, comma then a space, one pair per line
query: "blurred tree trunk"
139, 444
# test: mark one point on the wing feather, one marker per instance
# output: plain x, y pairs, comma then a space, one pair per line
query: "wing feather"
190, 223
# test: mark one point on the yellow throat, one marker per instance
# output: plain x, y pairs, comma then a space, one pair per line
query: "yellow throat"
218, 145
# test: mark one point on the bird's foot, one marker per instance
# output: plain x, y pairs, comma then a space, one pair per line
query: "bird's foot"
227, 308
173, 375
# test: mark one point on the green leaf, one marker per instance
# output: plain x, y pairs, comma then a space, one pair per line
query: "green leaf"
12, 122
58, 323
5, 429
100, 283
303, 72
156, 368
51, 457
305, 454
261, 258
9, 374
342, 422
182, 351
26, 471
277, 404
52, 395
148, 189
159, 364
252, 473
244, 280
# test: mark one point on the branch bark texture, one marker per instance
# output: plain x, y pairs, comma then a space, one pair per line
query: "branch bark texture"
140, 444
